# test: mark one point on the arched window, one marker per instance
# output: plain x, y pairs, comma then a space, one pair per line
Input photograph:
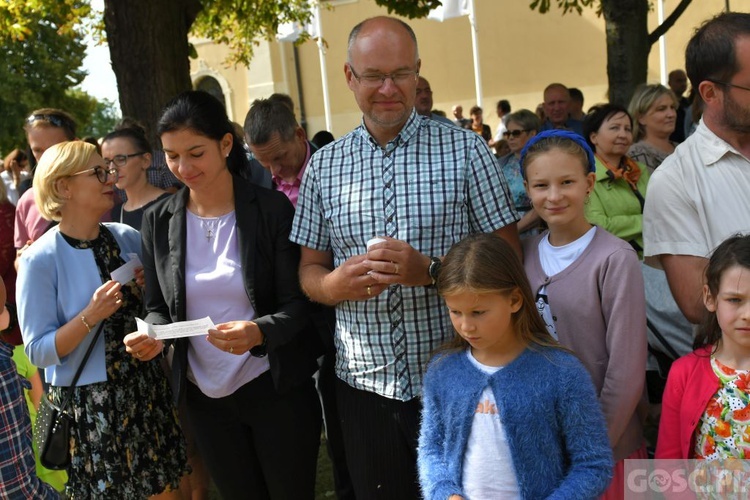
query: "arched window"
211, 85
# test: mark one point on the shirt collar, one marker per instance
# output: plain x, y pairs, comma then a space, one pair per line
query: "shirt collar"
712, 147
409, 130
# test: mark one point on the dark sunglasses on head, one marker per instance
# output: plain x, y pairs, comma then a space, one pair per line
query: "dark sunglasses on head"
56, 120
513, 133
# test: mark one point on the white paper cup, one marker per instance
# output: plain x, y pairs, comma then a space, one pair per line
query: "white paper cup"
374, 241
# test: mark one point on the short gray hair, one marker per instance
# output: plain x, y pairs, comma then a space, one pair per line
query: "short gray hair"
269, 116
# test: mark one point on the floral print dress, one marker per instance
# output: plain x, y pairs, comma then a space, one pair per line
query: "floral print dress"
126, 443
724, 429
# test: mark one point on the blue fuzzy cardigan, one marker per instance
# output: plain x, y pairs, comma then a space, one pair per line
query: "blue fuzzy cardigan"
555, 427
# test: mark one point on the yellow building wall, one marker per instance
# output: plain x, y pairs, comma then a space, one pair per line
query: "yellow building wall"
520, 52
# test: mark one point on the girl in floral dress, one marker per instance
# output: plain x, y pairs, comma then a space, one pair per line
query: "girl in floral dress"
705, 411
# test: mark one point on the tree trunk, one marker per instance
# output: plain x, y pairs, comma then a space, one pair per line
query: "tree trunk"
628, 46
148, 44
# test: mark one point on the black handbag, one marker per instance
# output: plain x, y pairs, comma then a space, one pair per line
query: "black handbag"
53, 423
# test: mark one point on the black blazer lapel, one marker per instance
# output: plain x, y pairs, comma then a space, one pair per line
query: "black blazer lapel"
247, 234
177, 236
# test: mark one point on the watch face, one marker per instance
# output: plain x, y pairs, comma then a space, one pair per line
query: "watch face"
434, 268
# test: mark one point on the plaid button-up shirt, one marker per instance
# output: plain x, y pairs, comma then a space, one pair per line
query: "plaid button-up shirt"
18, 477
431, 186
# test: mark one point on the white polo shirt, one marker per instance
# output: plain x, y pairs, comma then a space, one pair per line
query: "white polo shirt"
697, 198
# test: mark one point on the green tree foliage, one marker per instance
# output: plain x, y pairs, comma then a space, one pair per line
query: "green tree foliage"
103, 120
413, 9
242, 24
42, 47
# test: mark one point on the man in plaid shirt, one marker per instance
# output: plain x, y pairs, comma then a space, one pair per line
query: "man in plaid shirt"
421, 186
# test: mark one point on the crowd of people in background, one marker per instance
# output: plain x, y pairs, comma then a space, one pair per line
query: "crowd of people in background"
465, 314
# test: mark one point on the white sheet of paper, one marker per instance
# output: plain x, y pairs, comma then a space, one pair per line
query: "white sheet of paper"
176, 330
126, 272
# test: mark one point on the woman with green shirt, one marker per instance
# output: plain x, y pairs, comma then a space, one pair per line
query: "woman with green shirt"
616, 203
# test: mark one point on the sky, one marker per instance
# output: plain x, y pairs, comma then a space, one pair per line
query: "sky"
100, 82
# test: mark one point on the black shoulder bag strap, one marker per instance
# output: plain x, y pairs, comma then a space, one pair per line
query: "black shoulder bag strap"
71, 388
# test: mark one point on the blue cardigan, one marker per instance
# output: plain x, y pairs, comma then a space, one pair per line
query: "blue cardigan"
55, 283
555, 428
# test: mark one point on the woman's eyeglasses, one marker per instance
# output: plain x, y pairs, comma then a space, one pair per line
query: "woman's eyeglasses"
121, 160
102, 174
513, 133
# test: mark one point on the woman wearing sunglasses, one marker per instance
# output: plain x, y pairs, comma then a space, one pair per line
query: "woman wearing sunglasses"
522, 126
126, 442
128, 150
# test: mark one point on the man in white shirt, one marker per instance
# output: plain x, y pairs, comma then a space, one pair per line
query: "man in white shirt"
503, 110
700, 195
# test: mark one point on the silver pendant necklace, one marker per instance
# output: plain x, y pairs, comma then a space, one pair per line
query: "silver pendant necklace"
209, 226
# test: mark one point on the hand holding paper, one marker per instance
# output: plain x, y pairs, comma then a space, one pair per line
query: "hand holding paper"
176, 330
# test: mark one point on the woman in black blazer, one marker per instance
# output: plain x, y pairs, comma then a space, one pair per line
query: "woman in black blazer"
220, 247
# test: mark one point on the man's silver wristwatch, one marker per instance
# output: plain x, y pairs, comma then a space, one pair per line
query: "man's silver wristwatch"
434, 269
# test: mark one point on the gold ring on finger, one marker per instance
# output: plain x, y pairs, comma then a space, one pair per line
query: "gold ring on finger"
369, 290
231, 350
396, 269
138, 355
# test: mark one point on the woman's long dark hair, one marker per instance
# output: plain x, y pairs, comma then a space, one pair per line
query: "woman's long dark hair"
734, 251
203, 113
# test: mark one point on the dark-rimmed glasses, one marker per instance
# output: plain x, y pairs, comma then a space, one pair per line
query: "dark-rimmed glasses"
376, 80
727, 84
121, 160
514, 133
102, 174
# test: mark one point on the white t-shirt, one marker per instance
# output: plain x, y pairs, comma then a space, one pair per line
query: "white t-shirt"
488, 470
10, 187
554, 260
501, 128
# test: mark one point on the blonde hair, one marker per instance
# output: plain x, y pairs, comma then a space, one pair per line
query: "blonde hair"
58, 162
644, 97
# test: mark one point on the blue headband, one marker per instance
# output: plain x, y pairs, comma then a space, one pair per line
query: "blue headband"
566, 134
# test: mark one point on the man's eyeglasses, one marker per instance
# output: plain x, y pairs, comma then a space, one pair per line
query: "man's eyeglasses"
121, 160
513, 133
727, 84
376, 80
102, 174
56, 120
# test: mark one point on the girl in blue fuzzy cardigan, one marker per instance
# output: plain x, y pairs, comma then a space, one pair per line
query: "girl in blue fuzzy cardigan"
507, 412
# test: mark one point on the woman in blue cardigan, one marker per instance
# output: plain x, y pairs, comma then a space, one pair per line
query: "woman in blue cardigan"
126, 442
507, 412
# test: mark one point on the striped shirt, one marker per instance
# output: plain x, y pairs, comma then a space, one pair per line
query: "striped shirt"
431, 186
